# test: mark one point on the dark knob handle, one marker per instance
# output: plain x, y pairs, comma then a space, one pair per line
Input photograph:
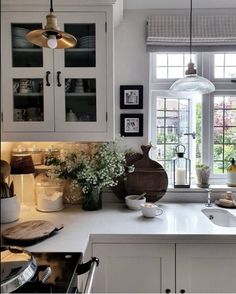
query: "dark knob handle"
47, 78
167, 291
182, 291
58, 79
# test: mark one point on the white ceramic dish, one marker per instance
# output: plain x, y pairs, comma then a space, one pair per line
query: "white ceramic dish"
151, 210
133, 203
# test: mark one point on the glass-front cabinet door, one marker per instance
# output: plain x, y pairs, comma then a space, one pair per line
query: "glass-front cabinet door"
26, 77
80, 94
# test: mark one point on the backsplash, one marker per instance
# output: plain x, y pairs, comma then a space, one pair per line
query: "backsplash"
29, 182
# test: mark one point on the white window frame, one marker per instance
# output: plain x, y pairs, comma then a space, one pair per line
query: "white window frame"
205, 67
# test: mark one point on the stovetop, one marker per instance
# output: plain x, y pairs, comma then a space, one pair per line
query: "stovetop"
63, 278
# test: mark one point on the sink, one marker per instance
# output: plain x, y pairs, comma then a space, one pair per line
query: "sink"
220, 217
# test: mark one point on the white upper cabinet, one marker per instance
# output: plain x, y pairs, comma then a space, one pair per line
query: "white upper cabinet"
60, 94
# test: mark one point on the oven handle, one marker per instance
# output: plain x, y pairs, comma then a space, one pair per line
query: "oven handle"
85, 267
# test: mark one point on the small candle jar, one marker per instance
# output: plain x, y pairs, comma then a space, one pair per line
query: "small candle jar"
181, 169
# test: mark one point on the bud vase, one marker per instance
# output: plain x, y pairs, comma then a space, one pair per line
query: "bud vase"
92, 200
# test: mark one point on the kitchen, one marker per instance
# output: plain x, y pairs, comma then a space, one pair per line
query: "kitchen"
117, 225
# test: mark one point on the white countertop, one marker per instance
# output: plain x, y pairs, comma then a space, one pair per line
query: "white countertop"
179, 221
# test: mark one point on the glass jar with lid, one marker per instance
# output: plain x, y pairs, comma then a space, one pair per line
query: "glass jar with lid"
49, 152
37, 154
49, 193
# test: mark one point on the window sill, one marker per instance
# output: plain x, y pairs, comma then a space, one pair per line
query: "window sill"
194, 188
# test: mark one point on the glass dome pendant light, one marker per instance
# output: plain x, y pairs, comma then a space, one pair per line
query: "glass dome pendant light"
192, 83
51, 36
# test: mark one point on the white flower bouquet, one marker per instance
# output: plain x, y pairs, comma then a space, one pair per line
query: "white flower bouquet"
100, 169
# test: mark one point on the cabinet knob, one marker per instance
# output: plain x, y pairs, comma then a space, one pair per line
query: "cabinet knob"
167, 291
182, 291
47, 78
58, 79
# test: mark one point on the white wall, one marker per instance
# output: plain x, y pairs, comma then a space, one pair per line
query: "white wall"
132, 67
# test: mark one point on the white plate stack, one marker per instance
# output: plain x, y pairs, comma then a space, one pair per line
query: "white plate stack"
18, 38
79, 86
87, 42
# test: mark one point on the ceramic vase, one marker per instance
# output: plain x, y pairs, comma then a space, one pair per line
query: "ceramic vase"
10, 209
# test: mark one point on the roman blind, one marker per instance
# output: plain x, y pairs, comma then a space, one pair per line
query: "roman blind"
209, 33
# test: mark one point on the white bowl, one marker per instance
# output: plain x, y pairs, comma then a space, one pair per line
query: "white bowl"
133, 203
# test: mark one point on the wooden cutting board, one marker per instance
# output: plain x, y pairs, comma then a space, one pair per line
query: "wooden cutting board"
30, 231
149, 176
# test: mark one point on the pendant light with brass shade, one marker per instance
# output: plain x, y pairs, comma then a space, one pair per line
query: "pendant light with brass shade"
192, 83
51, 36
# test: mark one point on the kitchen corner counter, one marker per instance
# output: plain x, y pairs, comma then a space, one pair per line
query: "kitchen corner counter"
180, 222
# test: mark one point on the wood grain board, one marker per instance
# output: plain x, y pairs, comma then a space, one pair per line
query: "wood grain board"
30, 231
149, 176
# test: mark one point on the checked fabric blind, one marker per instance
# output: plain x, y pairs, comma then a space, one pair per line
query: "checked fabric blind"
210, 33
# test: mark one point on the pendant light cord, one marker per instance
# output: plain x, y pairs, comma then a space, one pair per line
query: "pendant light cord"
51, 8
190, 26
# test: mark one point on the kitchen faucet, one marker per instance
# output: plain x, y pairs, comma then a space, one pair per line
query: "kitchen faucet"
209, 204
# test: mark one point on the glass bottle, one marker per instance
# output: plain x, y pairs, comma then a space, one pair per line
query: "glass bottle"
231, 174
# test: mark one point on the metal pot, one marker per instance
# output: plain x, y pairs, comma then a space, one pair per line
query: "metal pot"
18, 266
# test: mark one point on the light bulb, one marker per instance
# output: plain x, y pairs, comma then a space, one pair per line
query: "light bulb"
52, 41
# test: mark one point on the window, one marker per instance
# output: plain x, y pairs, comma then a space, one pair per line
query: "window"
206, 126
224, 132
171, 66
224, 65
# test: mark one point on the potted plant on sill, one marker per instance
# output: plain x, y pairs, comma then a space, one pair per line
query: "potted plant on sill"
203, 174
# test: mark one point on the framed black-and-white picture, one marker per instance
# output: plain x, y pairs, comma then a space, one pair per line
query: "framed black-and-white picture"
131, 97
131, 124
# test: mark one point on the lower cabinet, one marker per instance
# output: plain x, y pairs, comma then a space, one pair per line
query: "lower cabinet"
165, 268
134, 268
206, 268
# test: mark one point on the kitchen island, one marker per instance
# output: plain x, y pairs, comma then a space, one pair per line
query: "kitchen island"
180, 250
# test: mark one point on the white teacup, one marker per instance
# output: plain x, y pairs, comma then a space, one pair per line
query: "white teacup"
150, 210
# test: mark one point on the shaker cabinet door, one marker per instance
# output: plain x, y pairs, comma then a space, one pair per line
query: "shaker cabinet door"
134, 268
206, 268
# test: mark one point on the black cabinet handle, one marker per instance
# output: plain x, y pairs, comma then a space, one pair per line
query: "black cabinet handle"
58, 79
182, 291
167, 291
47, 78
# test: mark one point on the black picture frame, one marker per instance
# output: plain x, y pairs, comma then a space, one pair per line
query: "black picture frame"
131, 97
131, 124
